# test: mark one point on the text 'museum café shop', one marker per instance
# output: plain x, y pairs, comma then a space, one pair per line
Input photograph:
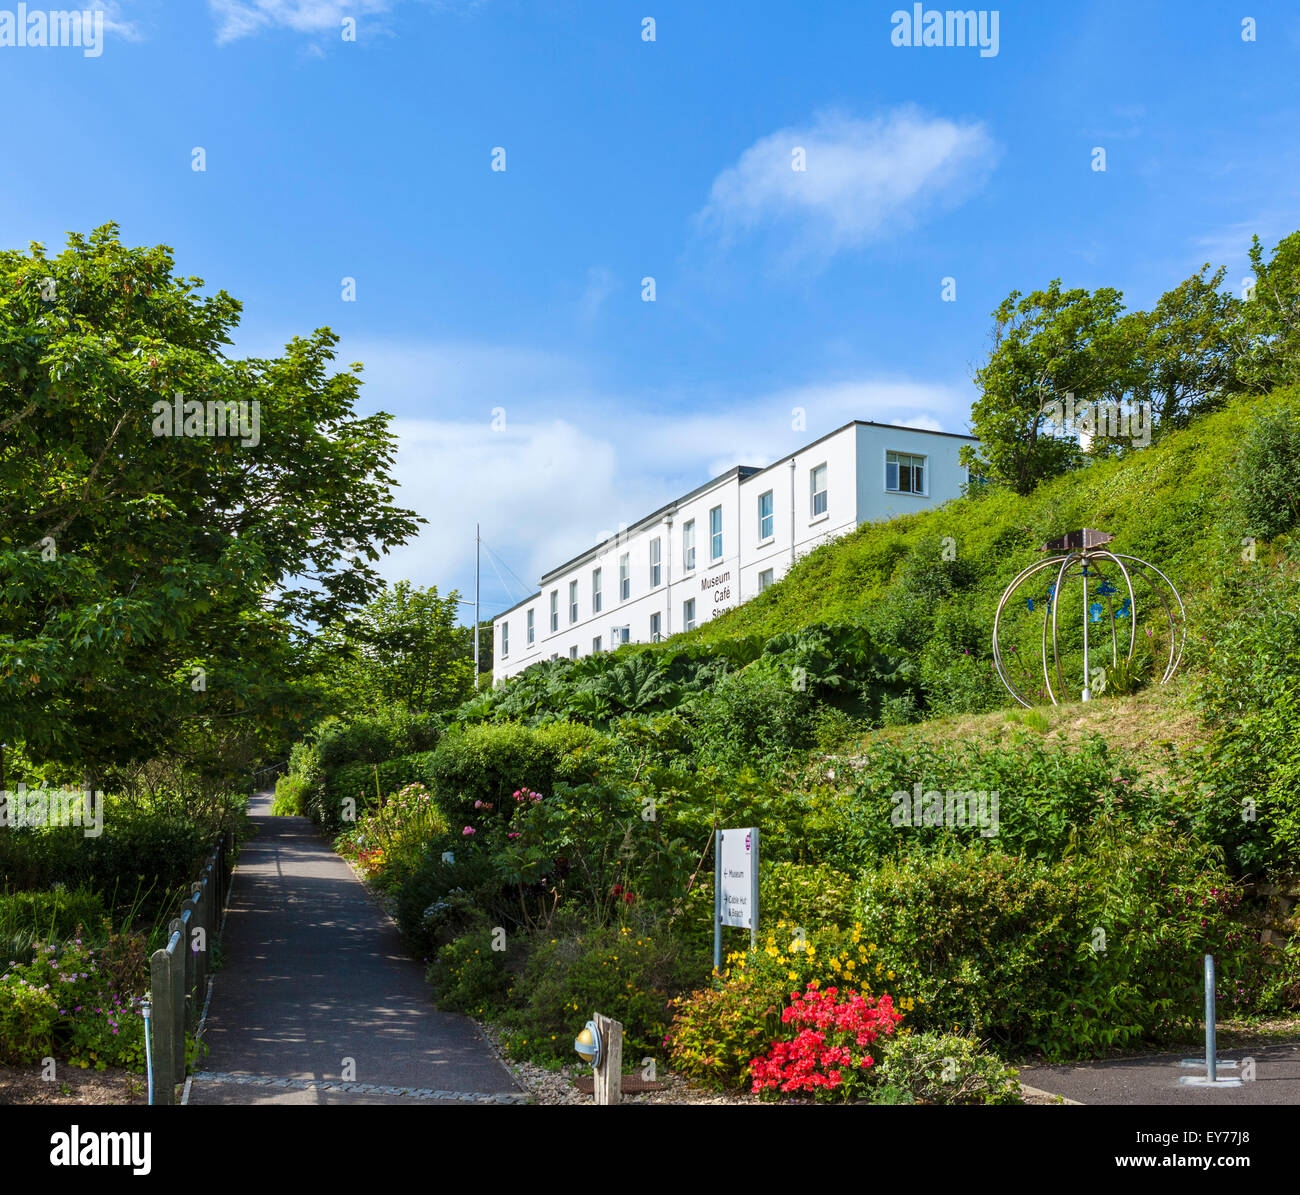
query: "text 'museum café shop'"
726, 541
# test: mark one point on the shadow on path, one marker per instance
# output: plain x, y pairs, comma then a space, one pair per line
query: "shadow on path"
315, 973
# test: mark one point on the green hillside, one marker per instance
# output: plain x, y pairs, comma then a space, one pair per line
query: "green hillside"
1171, 504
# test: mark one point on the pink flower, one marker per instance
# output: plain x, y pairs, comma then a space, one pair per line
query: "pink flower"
468, 830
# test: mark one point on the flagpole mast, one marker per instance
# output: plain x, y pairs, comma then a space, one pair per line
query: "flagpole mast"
477, 541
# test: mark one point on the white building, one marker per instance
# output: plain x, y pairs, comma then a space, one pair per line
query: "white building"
726, 541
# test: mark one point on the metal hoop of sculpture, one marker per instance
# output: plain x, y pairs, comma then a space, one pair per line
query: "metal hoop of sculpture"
1083, 558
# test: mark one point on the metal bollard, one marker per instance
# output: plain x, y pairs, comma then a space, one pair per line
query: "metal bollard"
1212, 1062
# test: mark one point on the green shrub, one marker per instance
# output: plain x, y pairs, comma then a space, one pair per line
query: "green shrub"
1044, 792
945, 1068
136, 864
468, 975
1266, 478
758, 711
28, 1016
438, 900
366, 783
1247, 776
292, 794
626, 972
30, 917
1100, 949
486, 762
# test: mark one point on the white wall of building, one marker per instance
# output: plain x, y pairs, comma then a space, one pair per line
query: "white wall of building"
854, 457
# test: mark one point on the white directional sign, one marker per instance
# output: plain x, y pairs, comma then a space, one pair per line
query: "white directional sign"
738, 878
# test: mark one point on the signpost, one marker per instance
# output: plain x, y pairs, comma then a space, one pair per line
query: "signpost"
735, 886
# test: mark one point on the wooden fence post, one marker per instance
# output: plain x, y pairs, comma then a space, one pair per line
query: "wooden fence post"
178, 1010
164, 1065
609, 1074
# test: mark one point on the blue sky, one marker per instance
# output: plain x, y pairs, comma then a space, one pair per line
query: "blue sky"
522, 289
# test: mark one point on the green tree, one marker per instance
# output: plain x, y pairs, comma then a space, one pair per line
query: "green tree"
1268, 333
153, 584
1046, 346
403, 648
1186, 360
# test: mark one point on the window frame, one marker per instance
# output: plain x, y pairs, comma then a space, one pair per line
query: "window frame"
532, 625
625, 576
715, 534
555, 611
688, 546
770, 574
595, 590
898, 466
814, 493
656, 561
688, 614
769, 518
573, 601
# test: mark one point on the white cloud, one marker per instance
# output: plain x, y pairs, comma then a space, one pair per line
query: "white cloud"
243, 18
864, 179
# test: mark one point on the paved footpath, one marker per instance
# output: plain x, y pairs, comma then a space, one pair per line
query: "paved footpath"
1153, 1080
314, 972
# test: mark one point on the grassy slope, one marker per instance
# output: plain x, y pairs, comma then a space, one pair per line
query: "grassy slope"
1134, 726
1166, 504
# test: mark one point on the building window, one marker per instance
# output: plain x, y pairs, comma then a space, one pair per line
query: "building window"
688, 545
904, 473
573, 603
766, 516
619, 635
595, 591
595, 643
818, 476
765, 580
505, 639
532, 629
715, 533
624, 577
655, 635
688, 615
654, 563
573, 652
555, 610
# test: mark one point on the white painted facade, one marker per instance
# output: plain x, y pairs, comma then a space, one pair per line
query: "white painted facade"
748, 526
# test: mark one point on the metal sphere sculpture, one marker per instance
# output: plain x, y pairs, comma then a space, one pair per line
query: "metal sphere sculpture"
1081, 557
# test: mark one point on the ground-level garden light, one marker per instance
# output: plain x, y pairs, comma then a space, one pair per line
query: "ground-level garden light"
1103, 576
588, 1044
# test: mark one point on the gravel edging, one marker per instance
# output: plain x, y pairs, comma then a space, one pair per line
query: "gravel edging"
546, 1086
